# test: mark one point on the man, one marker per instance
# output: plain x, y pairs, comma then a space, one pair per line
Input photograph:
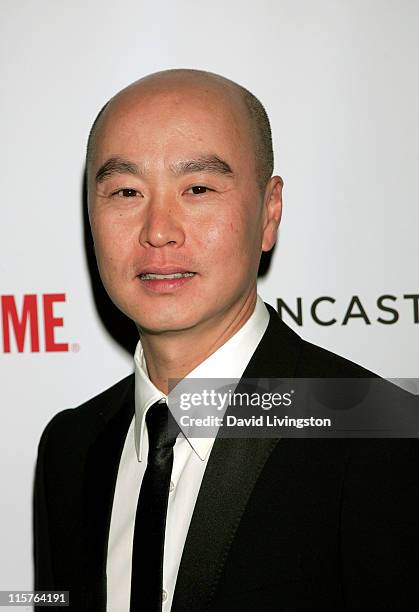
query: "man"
182, 204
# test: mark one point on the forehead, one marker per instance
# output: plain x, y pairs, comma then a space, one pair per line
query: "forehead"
166, 121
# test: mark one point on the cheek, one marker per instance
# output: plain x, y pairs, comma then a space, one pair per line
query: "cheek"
216, 241
109, 232
227, 242
214, 237
112, 243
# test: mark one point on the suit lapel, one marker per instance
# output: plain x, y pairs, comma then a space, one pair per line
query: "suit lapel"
231, 474
99, 487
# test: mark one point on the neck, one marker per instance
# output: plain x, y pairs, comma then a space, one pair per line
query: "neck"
175, 354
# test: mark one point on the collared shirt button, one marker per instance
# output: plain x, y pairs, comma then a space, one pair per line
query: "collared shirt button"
164, 595
172, 486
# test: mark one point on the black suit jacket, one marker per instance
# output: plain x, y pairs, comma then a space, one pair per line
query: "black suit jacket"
288, 525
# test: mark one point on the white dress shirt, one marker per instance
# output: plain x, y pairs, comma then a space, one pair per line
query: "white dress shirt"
189, 464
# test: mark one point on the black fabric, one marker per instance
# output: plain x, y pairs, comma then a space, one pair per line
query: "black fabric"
150, 520
296, 525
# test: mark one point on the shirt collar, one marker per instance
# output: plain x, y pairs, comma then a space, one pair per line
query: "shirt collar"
229, 361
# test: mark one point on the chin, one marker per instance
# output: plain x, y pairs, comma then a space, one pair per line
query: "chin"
160, 322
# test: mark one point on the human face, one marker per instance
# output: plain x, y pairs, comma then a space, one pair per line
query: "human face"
177, 217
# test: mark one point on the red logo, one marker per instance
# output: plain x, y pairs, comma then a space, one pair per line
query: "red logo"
28, 322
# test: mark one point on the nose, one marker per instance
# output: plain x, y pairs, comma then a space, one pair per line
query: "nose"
162, 226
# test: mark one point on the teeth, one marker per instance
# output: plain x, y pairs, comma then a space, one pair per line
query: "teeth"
163, 276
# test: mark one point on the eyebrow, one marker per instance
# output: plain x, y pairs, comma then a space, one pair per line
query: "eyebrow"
205, 163
116, 165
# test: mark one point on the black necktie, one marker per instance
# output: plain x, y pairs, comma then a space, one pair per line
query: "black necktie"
150, 519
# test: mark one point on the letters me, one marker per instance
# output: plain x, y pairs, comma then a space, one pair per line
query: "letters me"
12, 323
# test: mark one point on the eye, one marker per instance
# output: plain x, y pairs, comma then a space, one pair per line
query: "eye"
198, 189
126, 192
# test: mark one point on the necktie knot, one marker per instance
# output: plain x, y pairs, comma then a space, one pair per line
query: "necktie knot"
161, 426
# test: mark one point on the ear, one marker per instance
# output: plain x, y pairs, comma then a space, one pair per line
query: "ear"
272, 212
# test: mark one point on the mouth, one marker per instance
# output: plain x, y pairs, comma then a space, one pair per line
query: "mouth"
157, 276
165, 282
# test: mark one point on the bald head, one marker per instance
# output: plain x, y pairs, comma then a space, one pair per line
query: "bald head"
249, 113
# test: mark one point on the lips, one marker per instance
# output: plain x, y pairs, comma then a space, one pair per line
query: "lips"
158, 276
165, 279
164, 269
161, 272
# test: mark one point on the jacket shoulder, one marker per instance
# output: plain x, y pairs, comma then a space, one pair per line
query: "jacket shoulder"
301, 358
316, 361
106, 400
84, 420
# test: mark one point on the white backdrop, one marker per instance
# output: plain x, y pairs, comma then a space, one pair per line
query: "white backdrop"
339, 81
